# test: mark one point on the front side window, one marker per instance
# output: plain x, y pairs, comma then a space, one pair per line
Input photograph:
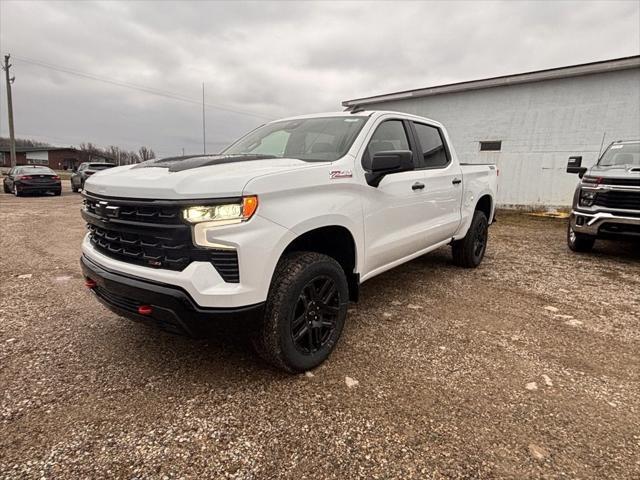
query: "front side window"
433, 153
313, 139
389, 135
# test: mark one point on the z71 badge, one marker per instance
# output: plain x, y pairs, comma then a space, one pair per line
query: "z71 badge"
333, 174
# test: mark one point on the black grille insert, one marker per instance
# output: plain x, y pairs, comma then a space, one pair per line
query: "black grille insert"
152, 236
618, 199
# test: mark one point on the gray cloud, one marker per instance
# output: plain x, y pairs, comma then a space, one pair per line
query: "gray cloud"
272, 59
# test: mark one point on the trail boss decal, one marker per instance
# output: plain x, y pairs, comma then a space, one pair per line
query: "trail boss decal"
334, 174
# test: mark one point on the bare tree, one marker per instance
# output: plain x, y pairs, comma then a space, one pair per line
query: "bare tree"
146, 153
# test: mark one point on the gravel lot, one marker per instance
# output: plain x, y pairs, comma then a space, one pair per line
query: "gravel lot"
528, 366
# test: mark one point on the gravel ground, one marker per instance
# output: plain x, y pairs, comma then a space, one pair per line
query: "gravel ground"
528, 366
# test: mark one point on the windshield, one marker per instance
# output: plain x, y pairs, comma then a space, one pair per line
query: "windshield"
621, 154
100, 166
312, 139
35, 171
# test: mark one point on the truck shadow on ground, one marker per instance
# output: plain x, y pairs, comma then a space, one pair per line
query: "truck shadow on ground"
226, 348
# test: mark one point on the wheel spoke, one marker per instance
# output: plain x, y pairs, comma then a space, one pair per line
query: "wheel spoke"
328, 309
303, 332
298, 321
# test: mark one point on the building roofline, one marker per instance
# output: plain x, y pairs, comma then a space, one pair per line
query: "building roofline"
603, 66
35, 149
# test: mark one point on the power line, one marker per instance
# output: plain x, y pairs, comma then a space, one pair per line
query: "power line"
132, 86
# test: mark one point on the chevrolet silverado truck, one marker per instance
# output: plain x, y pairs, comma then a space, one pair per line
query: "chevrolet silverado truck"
283, 226
606, 203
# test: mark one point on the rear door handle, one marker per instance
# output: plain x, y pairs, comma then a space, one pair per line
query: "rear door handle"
417, 186
456, 181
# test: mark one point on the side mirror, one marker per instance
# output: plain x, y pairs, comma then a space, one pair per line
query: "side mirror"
574, 165
387, 162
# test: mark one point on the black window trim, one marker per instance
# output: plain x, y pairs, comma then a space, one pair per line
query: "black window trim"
419, 146
410, 139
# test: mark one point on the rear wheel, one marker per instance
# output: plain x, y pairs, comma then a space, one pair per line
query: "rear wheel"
305, 312
469, 251
15, 191
579, 242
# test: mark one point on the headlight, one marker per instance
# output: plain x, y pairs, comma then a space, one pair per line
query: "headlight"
222, 214
587, 198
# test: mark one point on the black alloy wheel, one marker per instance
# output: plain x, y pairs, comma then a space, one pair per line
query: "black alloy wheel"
315, 316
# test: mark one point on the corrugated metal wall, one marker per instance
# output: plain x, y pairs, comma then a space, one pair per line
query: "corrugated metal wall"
540, 125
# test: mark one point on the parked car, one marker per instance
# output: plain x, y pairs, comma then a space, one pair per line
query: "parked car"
283, 226
84, 171
31, 179
606, 203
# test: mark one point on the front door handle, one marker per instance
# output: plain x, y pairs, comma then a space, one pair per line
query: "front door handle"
417, 186
456, 181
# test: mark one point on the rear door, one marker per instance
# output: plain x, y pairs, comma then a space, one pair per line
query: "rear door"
443, 183
394, 215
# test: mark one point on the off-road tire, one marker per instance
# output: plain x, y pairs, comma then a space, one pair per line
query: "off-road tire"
579, 242
468, 252
273, 337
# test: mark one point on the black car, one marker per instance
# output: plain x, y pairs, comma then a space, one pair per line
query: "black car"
84, 171
31, 179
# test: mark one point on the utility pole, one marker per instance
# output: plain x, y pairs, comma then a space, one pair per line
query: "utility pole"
12, 136
204, 138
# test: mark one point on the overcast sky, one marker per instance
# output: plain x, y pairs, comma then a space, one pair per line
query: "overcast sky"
269, 60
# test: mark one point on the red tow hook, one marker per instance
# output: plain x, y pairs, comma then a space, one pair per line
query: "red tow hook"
145, 310
90, 283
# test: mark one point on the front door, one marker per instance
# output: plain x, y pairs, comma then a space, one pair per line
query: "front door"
394, 216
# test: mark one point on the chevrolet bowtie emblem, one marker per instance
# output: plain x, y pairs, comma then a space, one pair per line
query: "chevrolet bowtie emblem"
105, 210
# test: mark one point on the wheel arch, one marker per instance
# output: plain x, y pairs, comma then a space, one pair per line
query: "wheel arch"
336, 241
485, 205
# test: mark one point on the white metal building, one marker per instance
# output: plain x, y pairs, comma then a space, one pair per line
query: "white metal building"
530, 123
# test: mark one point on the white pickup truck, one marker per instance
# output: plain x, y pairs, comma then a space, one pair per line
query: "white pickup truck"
283, 226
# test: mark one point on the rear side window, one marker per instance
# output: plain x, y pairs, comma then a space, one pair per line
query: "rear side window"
434, 154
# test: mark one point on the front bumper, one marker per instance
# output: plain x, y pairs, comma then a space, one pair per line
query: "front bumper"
605, 224
172, 309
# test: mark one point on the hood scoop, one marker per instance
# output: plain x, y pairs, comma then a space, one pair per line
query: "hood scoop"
179, 164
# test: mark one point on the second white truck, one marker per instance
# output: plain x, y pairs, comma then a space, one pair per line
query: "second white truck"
283, 226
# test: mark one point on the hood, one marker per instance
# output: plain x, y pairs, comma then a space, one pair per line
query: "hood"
203, 177
615, 171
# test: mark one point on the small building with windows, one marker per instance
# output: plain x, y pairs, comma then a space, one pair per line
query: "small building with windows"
56, 158
530, 123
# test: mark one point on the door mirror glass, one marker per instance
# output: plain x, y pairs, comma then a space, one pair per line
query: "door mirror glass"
387, 162
574, 165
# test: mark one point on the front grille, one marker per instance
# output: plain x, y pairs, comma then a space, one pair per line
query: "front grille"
634, 182
145, 213
151, 234
618, 199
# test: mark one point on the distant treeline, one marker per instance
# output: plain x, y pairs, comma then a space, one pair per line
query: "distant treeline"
113, 153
